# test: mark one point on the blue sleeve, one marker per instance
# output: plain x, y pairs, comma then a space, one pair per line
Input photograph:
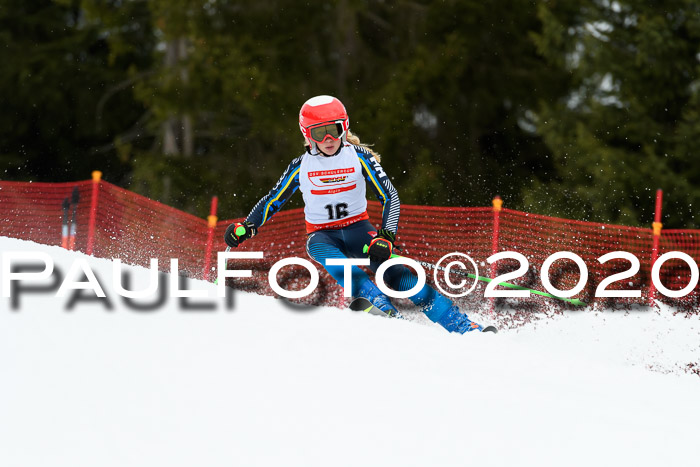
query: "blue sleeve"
278, 196
382, 187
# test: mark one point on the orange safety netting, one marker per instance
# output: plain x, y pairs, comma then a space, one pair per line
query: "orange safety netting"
135, 229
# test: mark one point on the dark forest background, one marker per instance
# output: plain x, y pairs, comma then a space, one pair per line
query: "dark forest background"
571, 108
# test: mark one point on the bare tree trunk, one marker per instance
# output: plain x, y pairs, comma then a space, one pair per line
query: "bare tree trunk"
170, 146
186, 119
178, 132
347, 44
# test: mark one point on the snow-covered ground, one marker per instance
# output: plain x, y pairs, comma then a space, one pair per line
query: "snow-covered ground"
266, 383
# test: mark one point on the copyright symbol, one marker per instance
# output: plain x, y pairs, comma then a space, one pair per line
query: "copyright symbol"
448, 268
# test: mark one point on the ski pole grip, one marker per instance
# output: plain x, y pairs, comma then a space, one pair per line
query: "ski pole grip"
365, 249
240, 230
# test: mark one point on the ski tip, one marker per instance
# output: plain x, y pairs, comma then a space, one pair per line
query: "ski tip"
578, 302
364, 305
492, 329
360, 304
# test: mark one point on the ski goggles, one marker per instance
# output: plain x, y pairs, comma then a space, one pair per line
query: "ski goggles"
319, 133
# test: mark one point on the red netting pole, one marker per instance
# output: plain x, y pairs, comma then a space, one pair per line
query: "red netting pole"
212, 219
497, 205
96, 177
656, 225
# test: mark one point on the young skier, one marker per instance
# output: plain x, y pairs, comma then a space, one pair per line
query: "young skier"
331, 175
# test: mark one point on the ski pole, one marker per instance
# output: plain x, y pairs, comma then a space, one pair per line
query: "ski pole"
573, 301
240, 230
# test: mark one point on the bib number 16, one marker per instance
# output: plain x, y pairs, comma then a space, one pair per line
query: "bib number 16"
340, 210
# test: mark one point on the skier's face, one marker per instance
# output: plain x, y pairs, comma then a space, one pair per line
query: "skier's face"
329, 146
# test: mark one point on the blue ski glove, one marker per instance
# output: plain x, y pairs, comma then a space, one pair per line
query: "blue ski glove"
237, 233
382, 246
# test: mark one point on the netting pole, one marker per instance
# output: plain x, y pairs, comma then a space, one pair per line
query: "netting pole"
497, 205
96, 177
656, 225
212, 220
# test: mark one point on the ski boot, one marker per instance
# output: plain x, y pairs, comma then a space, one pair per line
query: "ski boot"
372, 293
447, 315
455, 321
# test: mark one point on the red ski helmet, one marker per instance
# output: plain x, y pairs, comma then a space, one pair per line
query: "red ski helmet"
321, 110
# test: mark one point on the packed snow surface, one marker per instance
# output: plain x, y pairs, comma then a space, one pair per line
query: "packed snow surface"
269, 384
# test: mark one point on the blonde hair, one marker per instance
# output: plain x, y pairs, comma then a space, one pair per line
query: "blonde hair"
354, 139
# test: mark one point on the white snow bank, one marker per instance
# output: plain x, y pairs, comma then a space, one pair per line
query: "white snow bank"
267, 384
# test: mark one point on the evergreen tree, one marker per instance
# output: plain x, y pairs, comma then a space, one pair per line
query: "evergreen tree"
458, 103
446, 101
577, 109
56, 69
629, 121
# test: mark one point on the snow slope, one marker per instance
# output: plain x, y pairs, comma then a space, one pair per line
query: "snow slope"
269, 384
